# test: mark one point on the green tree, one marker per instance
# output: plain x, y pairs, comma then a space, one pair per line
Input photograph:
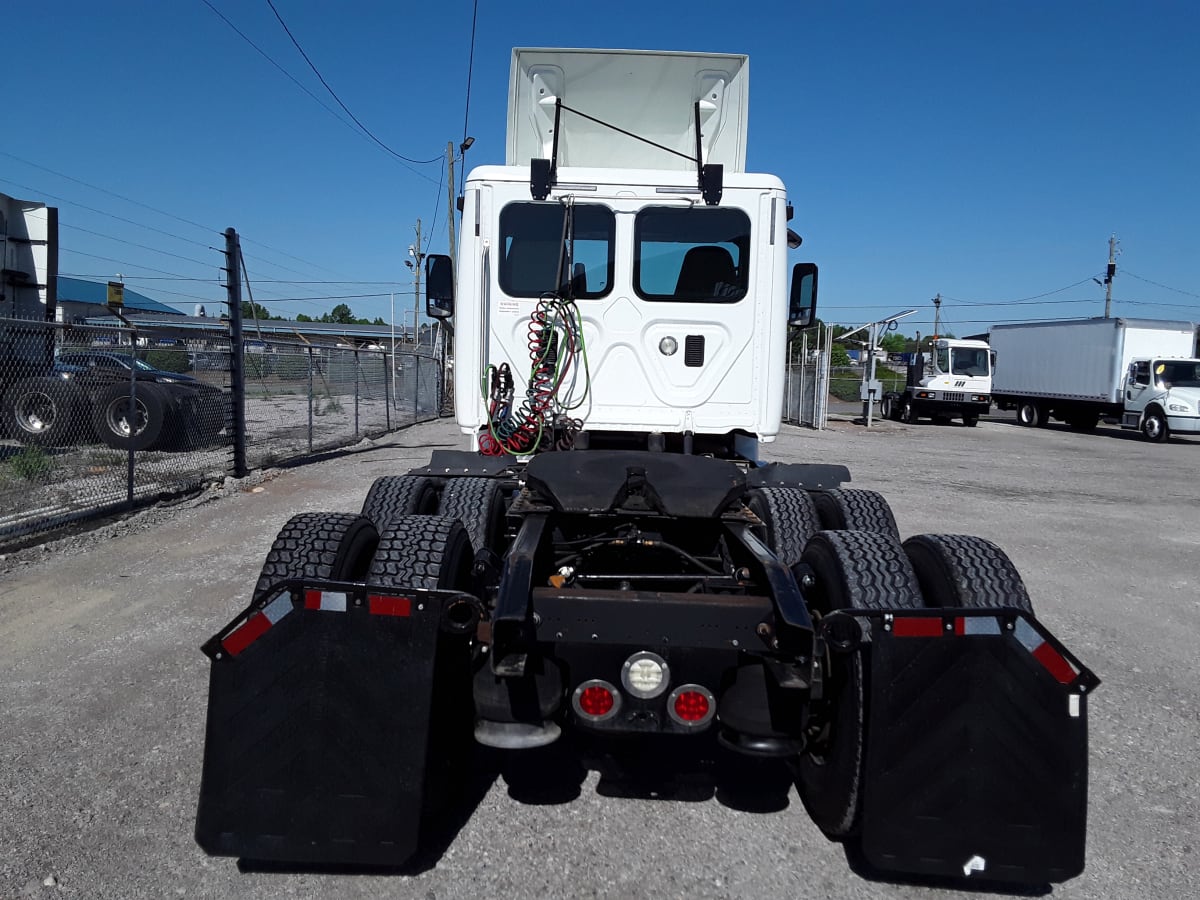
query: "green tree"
838, 356
341, 315
251, 311
895, 342
301, 317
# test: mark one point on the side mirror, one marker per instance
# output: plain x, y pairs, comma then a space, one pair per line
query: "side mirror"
439, 286
802, 309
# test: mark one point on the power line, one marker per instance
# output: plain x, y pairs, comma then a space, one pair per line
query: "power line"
120, 262
333, 94
1165, 287
1021, 299
109, 237
160, 212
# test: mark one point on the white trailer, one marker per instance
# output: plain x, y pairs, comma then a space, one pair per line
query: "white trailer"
1142, 372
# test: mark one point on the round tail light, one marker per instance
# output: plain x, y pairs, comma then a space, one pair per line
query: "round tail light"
596, 700
691, 705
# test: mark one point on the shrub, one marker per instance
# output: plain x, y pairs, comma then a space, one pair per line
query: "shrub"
169, 360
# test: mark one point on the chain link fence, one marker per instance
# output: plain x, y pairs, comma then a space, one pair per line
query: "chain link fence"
94, 420
806, 391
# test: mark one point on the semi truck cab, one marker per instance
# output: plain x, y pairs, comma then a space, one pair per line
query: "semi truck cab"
956, 383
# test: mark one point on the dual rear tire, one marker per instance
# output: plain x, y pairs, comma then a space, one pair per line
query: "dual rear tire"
863, 570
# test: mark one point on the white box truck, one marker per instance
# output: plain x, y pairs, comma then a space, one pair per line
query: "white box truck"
1141, 372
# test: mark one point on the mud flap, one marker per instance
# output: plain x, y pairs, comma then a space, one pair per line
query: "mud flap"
318, 728
976, 762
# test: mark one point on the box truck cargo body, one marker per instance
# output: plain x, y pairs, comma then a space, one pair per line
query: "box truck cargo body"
1141, 372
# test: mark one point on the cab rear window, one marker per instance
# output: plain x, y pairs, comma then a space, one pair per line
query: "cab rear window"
535, 249
692, 254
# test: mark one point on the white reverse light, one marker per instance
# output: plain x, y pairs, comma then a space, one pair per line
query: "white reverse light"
645, 675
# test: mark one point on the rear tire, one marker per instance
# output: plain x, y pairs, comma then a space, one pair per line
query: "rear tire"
1029, 414
890, 407
970, 421
110, 416
325, 546
393, 496
851, 569
908, 414
479, 504
849, 509
959, 570
431, 552
789, 518
45, 412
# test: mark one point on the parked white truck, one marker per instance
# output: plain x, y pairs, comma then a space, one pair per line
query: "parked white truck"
1142, 372
956, 383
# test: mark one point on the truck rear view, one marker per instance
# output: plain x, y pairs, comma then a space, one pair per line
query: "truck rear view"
610, 569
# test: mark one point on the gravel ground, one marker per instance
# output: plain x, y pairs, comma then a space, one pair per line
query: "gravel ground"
102, 685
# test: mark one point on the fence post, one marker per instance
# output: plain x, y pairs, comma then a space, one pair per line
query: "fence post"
356, 393
132, 417
387, 399
416, 387
310, 399
237, 360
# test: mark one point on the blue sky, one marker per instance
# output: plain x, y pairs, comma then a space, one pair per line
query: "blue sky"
985, 151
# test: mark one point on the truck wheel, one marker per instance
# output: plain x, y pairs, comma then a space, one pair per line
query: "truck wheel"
908, 414
110, 416
849, 509
851, 569
970, 421
1029, 414
45, 411
958, 570
1154, 425
789, 519
328, 546
392, 496
479, 504
890, 407
430, 552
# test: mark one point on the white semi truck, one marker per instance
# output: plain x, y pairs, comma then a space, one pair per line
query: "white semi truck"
955, 383
1141, 372
610, 569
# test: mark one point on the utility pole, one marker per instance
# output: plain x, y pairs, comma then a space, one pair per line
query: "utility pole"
451, 212
937, 316
417, 255
1108, 275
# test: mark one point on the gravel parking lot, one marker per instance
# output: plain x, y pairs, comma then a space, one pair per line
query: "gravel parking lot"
103, 687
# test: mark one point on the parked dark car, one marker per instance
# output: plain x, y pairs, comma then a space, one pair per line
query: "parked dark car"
86, 396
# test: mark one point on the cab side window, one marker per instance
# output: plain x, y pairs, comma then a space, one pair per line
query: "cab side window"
1141, 373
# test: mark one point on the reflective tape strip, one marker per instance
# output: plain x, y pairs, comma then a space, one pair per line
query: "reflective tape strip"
246, 634
1053, 661
976, 625
327, 601
278, 608
389, 606
917, 626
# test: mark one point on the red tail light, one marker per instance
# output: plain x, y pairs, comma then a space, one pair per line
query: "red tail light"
691, 705
596, 700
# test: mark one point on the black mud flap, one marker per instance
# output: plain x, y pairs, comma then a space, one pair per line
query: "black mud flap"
976, 763
319, 713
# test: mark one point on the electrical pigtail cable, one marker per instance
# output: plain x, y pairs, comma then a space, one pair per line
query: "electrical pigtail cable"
556, 347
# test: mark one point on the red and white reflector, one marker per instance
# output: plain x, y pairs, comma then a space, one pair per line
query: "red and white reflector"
691, 705
327, 601
1053, 661
256, 625
1041, 649
596, 700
